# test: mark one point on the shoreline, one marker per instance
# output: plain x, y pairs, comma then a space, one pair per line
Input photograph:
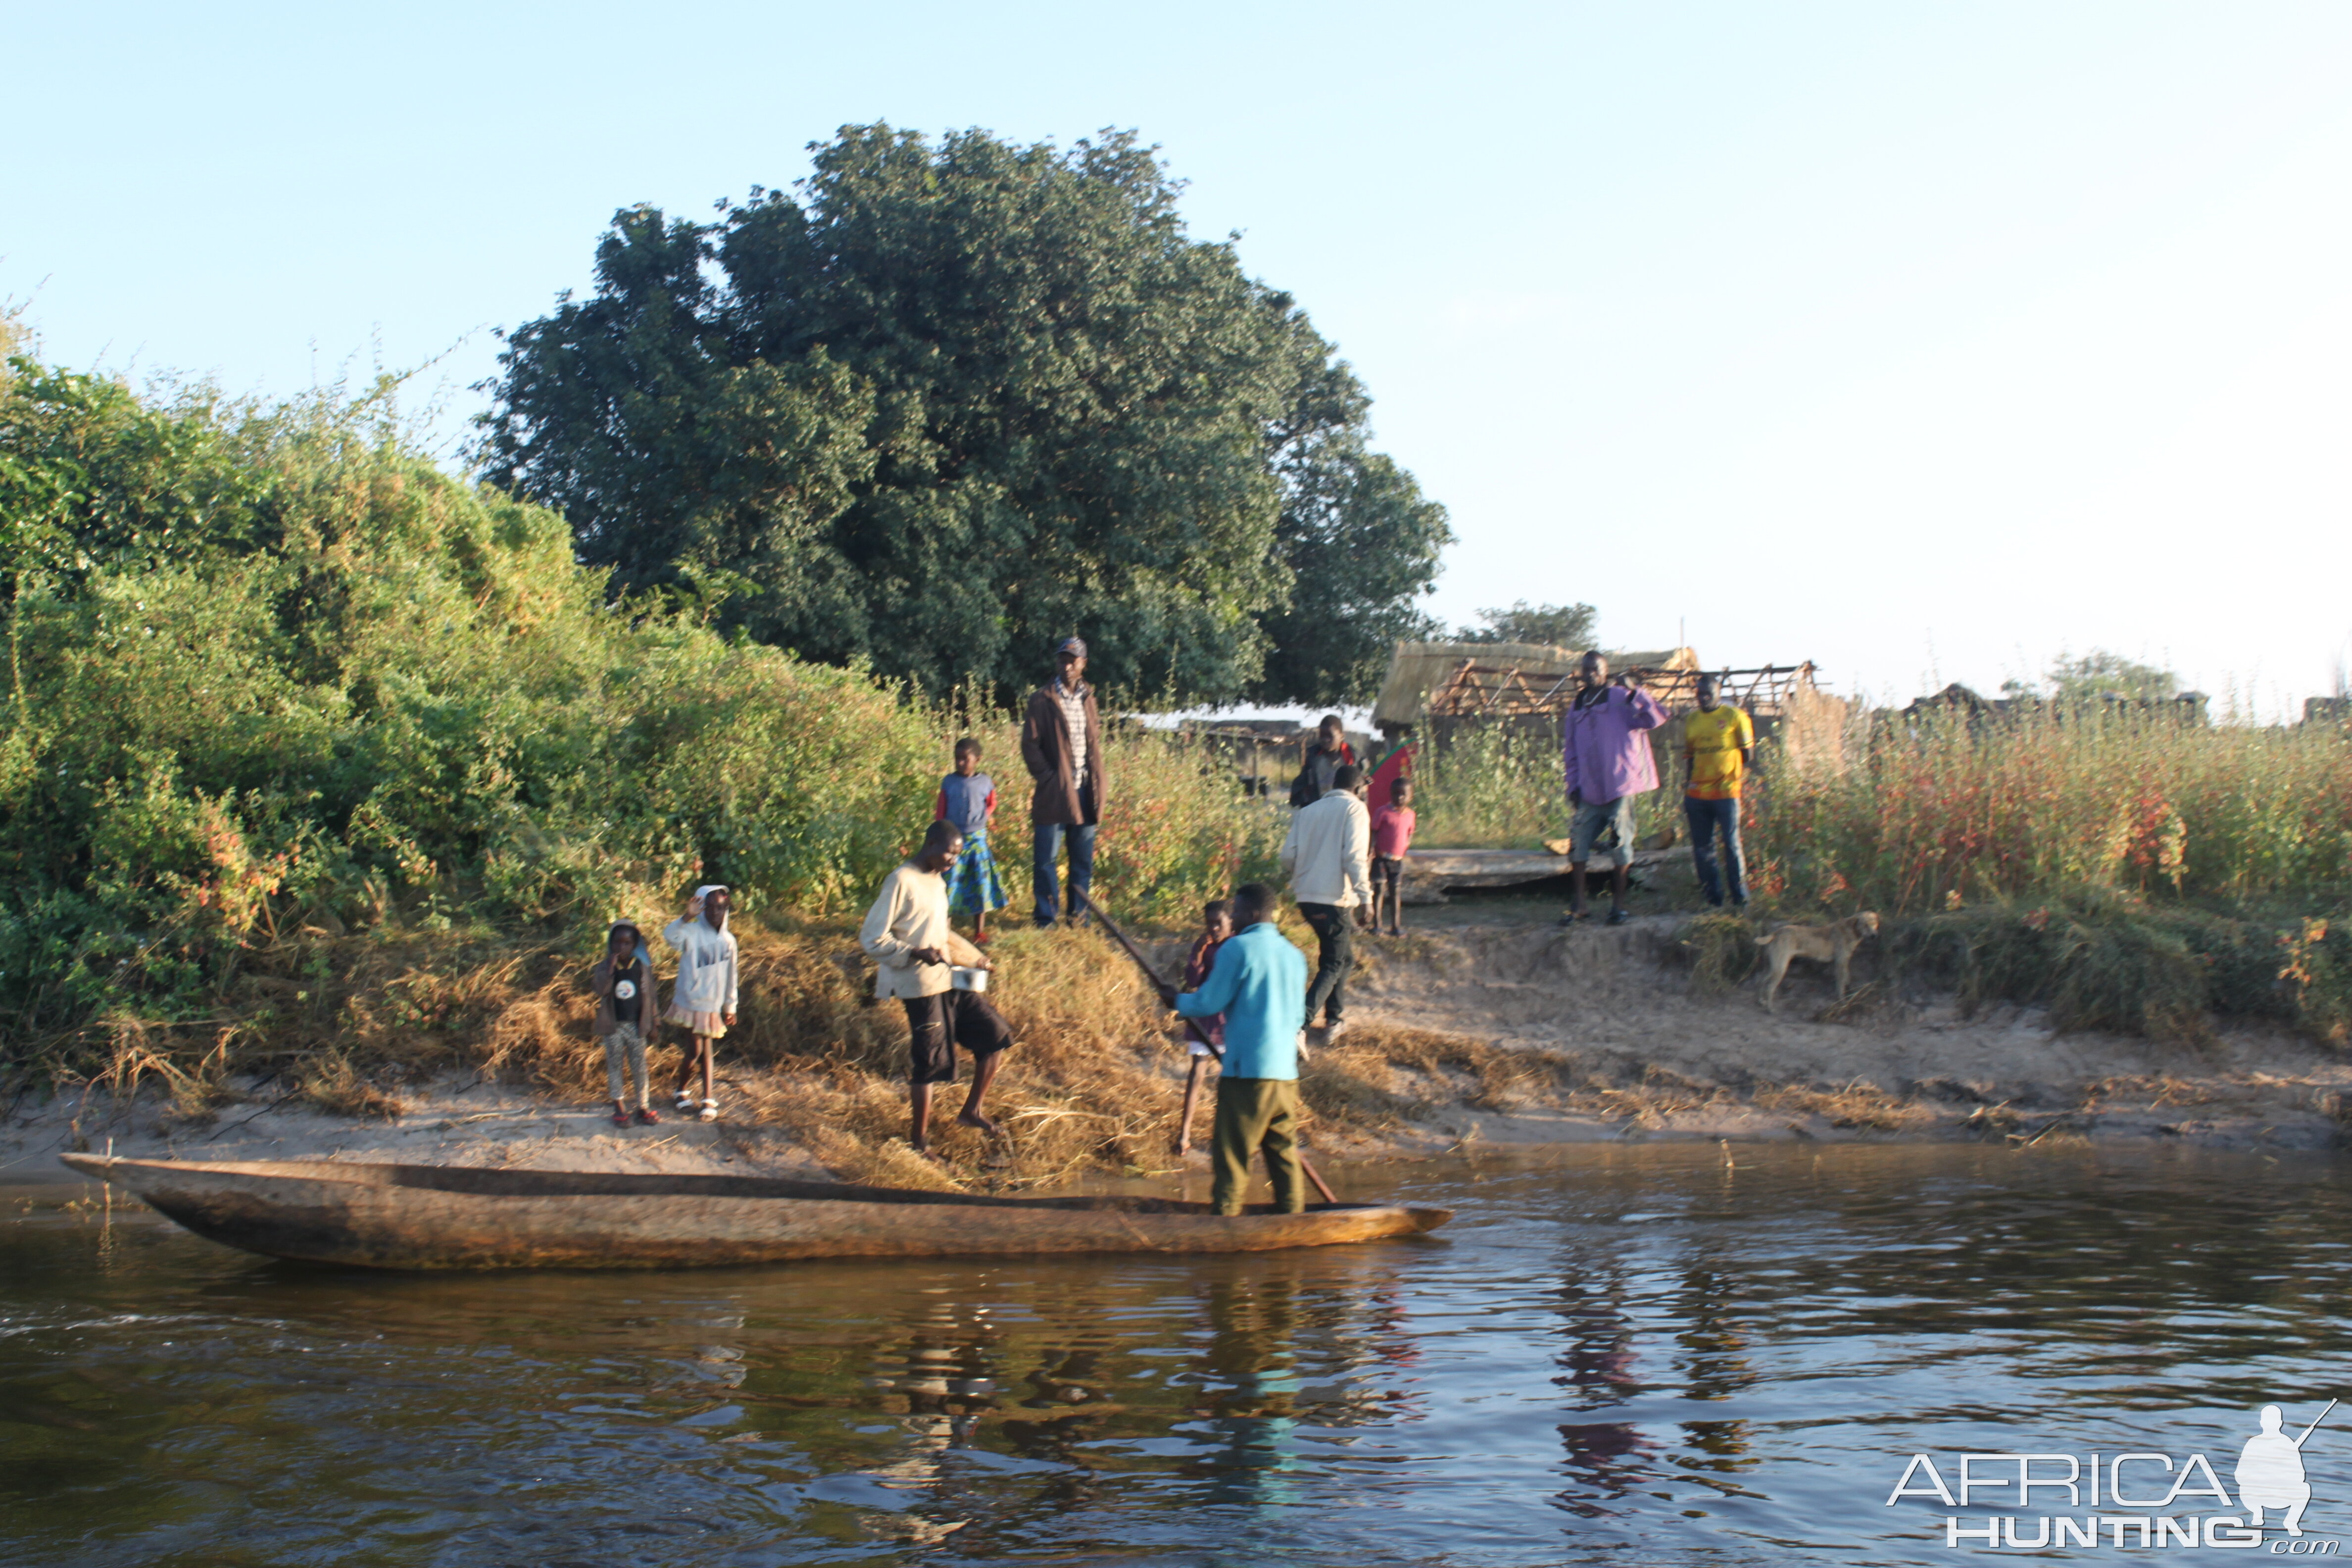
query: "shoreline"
1465, 1037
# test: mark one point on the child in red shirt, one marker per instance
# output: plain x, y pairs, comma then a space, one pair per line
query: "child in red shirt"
1391, 837
1204, 1038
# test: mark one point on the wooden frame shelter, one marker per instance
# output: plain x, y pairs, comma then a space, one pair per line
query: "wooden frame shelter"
1478, 690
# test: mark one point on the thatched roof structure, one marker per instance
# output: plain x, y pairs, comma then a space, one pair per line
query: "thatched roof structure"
1418, 668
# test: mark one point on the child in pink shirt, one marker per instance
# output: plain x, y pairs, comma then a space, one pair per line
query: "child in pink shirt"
1391, 837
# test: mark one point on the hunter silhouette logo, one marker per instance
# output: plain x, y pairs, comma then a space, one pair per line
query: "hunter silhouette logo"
2171, 1501
2270, 1471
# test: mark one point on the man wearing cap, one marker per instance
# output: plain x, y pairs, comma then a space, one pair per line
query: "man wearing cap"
1061, 743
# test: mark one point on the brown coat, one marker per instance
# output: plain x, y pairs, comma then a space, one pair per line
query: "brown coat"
1045, 749
599, 980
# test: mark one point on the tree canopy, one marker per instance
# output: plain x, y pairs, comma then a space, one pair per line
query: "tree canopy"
1562, 625
953, 401
2099, 673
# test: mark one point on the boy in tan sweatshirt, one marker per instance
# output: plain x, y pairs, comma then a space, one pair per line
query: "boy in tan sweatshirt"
907, 936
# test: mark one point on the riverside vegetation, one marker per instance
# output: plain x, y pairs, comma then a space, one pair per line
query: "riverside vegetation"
2124, 868
314, 755
321, 769
2127, 869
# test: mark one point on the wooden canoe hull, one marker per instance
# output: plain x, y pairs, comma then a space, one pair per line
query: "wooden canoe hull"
456, 1217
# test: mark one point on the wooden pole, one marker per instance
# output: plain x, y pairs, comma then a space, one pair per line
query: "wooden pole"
1120, 936
1152, 975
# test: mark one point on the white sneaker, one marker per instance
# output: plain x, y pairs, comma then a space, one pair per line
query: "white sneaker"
709, 1110
1334, 1029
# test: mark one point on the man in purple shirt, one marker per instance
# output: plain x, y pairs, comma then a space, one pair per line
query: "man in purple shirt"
1605, 751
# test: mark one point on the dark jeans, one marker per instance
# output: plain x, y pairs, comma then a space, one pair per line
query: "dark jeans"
1335, 937
1706, 817
1044, 875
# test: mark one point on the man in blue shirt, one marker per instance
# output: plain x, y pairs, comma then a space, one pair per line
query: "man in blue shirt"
1259, 984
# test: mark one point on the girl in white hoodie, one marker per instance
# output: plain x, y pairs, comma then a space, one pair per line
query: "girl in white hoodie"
703, 999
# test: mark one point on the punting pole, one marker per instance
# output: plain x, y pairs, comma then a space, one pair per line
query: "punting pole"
1152, 975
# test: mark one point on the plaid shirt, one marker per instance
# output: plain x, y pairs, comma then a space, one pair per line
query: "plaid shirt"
1074, 726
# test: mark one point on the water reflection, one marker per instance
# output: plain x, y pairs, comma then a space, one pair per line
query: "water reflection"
1605, 1459
1247, 1385
1713, 1366
1630, 1358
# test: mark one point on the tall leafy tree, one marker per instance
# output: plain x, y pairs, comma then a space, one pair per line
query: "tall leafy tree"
2100, 673
952, 401
1562, 625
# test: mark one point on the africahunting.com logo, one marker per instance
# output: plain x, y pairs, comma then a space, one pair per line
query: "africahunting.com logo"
2136, 1501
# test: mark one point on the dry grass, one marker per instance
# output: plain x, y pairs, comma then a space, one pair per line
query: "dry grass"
1872, 999
1860, 1104
1094, 1083
336, 1086
1720, 950
1089, 1084
194, 1092
1645, 1100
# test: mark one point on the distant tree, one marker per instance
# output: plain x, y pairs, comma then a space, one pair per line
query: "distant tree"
2095, 674
953, 402
1563, 625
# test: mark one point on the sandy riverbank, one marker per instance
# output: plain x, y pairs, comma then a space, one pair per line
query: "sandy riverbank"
1615, 1043
1664, 1060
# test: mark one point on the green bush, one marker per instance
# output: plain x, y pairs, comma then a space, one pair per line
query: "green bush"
1489, 788
2100, 960
302, 674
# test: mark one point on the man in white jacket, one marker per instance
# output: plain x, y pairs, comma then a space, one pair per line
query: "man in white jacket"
907, 936
1328, 859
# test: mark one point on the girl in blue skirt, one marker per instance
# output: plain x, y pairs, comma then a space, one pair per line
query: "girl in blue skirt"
968, 799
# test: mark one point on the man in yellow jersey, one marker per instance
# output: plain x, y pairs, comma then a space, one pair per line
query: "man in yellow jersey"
1719, 746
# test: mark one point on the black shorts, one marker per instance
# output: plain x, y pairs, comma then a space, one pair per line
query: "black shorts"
1387, 871
936, 1024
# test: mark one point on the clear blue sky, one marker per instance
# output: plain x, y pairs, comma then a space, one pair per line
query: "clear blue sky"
1918, 339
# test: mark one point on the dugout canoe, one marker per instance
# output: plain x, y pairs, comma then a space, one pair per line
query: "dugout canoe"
467, 1216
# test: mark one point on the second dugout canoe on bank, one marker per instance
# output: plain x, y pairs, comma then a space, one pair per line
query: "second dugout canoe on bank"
462, 1217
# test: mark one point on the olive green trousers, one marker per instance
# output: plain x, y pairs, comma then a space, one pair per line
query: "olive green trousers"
1254, 1113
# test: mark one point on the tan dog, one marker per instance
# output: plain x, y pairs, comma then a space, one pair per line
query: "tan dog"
1834, 941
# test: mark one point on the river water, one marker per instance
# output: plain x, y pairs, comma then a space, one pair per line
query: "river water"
1623, 1355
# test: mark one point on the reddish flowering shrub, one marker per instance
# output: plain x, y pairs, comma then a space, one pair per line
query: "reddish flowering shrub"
1921, 815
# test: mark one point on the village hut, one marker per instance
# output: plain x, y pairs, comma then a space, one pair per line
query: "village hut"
1490, 682
2186, 707
1436, 690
